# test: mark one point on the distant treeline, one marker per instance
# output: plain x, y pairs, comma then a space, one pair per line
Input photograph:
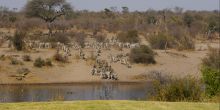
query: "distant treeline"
148, 22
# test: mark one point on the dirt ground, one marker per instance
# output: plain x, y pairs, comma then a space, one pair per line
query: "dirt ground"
176, 63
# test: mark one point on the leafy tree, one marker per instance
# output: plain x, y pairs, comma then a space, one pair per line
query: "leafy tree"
125, 9
109, 13
12, 19
48, 10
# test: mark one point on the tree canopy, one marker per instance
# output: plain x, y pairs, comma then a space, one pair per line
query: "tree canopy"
48, 10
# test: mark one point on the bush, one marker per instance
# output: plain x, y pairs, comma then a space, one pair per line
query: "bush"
2, 57
211, 72
213, 59
26, 58
182, 89
180, 40
142, 54
48, 62
60, 37
14, 61
160, 41
39, 62
18, 40
211, 78
130, 36
188, 19
60, 58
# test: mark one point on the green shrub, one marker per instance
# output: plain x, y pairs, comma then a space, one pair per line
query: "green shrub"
211, 78
142, 54
178, 89
39, 62
130, 36
211, 72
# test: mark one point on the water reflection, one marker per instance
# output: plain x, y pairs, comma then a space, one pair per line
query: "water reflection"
68, 92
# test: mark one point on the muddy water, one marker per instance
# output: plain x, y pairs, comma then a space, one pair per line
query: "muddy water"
70, 92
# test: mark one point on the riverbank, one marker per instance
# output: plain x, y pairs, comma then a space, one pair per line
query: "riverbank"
110, 105
78, 71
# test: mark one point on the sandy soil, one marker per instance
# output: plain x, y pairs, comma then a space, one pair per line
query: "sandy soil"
177, 63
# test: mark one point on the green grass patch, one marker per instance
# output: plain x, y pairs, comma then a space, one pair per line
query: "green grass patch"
110, 105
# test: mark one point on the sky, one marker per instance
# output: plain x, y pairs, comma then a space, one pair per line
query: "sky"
139, 5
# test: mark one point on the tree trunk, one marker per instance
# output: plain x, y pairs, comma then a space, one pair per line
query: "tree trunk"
50, 29
165, 47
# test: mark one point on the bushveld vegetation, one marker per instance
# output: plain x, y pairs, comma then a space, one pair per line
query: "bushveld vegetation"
100, 37
130, 36
170, 88
211, 72
179, 40
168, 28
189, 88
39, 62
163, 29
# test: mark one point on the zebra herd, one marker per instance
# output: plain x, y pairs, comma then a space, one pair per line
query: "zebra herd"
101, 68
104, 70
121, 58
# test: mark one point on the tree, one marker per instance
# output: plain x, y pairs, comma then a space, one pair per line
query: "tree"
178, 10
18, 40
109, 13
152, 20
125, 9
48, 10
188, 19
